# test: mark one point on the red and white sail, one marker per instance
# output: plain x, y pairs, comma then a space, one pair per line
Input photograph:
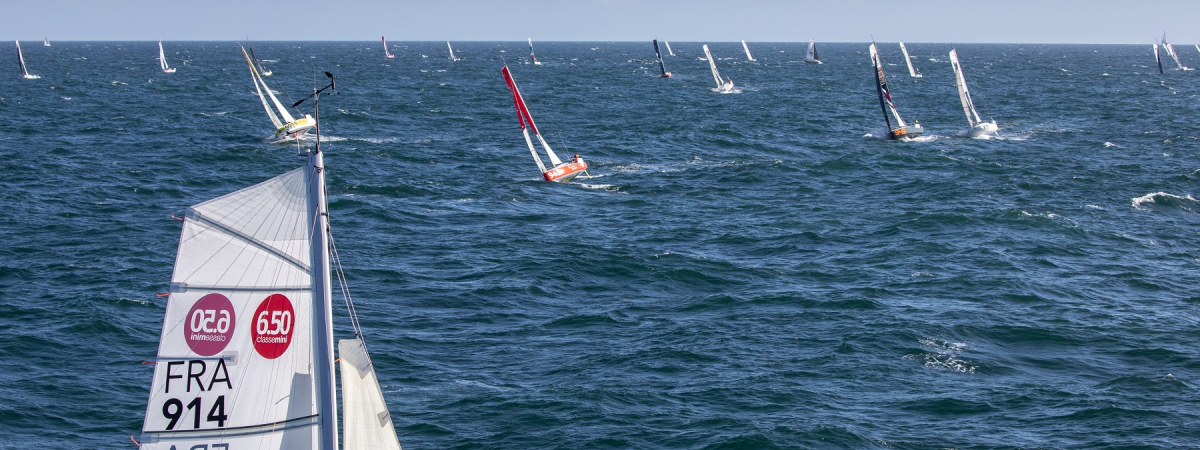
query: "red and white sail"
386, 52
559, 171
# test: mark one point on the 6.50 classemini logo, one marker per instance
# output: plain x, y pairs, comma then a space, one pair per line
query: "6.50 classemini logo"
273, 325
209, 324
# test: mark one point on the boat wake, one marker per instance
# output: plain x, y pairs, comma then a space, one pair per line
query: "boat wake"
735, 90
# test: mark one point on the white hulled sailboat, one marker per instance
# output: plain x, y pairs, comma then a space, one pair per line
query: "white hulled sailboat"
264, 72
452, 57
286, 127
560, 171
246, 355
661, 67
533, 58
979, 128
162, 60
899, 130
46, 42
912, 71
386, 52
21, 60
747, 49
812, 57
1171, 52
723, 86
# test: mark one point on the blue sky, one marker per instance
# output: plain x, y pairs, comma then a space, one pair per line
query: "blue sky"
963, 21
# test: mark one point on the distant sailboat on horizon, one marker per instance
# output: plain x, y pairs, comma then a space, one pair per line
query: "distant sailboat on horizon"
162, 60
452, 57
386, 52
1171, 52
46, 42
21, 60
661, 67
723, 86
979, 128
257, 63
747, 49
672, 52
1158, 58
812, 57
532, 57
290, 128
912, 71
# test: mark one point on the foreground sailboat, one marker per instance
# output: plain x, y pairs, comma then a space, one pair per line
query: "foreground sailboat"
812, 57
661, 67
386, 52
979, 128
21, 60
452, 57
912, 71
287, 128
560, 171
747, 49
1171, 52
723, 86
672, 52
532, 57
162, 60
898, 130
246, 355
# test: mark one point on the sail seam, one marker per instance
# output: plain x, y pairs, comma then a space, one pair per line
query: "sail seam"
195, 215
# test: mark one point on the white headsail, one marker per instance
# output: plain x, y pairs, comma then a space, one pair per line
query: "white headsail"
747, 49
21, 60
912, 71
452, 57
246, 358
162, 60
812, 57
1171, 52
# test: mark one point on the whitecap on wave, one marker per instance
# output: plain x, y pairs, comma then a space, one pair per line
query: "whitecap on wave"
1161, 198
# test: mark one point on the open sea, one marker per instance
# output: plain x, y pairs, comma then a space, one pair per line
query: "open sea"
754, 270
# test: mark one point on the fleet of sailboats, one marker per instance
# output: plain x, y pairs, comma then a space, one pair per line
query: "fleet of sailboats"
21, 60
811, 56
559, 171
661, 66
162, 60
246, 354
747, 49
912, 71
386, 52
723, 86
978, 128
452, 57
286, 127
899, 129
532, 57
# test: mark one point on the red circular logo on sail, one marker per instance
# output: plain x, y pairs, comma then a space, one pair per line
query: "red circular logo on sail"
273, 325
209, 325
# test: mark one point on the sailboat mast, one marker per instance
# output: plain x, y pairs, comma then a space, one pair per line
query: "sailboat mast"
322, 294
879, 86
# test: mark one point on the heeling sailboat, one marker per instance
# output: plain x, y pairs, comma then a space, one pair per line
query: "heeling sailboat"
258, 64
290, 128
723, 86
747, 49
1171, 52
46, 42
385, 48
979, 128
812, 57
560, 171
246, 358
661, 67
452, 57
899, 130
672, 52
1158, 58
21, 60
533, 58
912, 71
162, 60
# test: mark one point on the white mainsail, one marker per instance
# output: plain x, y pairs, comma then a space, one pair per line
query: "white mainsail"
978, 126
812, 57
1171, 52
531, 55
245, 357
385, 48
723, 86
46, 42
912, 71
21, 60
290, 125
452, 57
747, 49
672, 52
162, 60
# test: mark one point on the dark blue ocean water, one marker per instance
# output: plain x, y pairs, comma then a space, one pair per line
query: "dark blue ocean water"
743, 271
